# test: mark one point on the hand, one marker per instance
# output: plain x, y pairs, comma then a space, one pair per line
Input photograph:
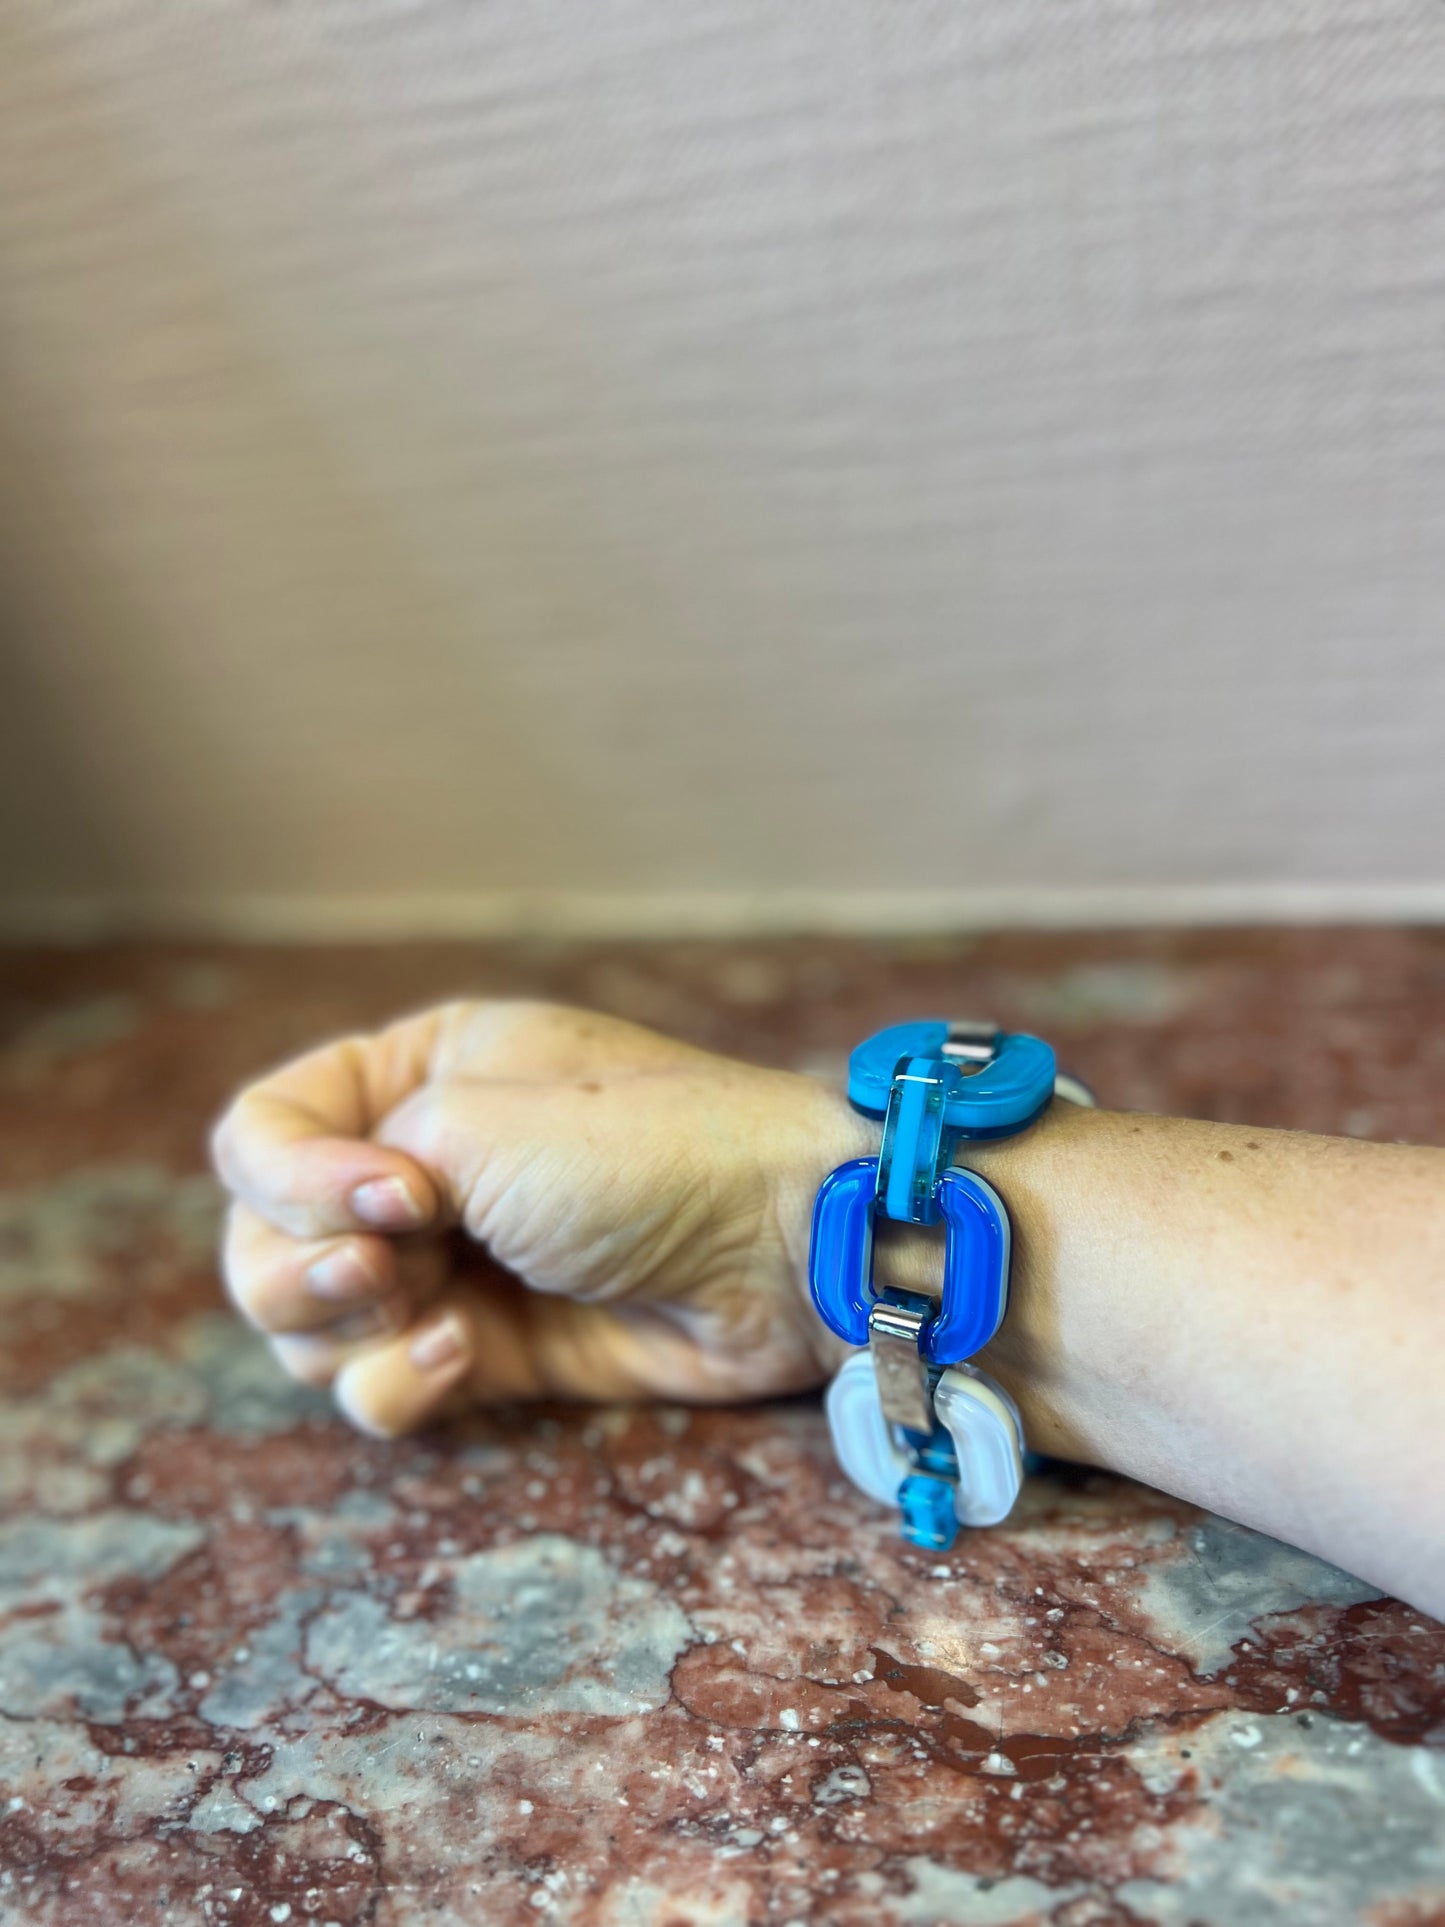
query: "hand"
497, 1201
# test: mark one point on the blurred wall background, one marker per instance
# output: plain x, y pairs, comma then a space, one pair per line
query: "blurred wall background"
628, 464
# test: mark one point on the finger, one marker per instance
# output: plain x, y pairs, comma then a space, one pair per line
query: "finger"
294, 1146
496, 1343
399, 1384
315, 1358
284, 1284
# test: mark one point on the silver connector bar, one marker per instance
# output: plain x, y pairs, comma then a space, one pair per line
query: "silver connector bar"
898, 1365
971, 1043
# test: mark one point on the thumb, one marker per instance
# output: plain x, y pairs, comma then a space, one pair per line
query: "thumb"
559, 1181
296, 1146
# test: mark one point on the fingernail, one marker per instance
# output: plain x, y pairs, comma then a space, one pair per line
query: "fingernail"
388, 1203
340, 1274
440, 1344
370, 1322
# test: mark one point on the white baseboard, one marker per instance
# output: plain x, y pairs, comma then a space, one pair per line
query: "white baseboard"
601, 915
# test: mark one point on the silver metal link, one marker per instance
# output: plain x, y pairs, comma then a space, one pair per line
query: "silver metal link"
898, 1364
971, 1042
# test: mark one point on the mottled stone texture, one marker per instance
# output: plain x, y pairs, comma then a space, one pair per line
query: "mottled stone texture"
637, 1667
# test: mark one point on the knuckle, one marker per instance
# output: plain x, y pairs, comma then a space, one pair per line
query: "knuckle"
223, 1142
375, 1423
249, 1300
526, 1020
237, 1274
233, 1136
253, 1282
310, 1365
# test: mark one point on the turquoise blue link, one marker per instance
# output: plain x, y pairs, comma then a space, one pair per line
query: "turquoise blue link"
1003, 1096
926, 1495
975, 1260
917, 1145
929, 1518
933, 1451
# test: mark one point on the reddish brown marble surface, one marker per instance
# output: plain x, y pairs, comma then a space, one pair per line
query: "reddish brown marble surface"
653, 1667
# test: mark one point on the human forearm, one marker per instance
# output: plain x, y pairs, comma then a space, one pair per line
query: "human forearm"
1254, 1320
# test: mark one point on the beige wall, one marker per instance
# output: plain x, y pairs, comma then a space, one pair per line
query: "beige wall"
649, 462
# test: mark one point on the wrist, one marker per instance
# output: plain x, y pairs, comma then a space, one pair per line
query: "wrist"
825, 1131
1050, 1354
1040, 1355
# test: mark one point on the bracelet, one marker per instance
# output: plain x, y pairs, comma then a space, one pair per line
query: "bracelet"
913, 1425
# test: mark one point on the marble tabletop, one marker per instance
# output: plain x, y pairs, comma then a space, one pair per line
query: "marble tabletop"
653, 1668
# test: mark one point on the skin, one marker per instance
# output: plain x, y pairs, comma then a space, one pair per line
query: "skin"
499, 1201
